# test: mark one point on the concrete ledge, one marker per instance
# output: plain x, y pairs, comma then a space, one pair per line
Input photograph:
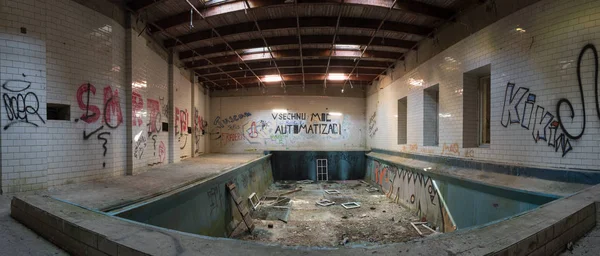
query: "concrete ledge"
544, 231
590, 177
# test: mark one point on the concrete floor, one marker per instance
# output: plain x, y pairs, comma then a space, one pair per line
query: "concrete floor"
16, 239
377, 221
123, 190
589, 245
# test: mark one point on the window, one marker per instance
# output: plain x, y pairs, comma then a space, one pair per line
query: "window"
431, 115
322, 169
484, 110
402, 120
58, 112
476, 107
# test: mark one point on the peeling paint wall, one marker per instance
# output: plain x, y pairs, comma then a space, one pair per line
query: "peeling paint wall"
302, 165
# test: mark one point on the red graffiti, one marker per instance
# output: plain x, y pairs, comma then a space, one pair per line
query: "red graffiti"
252, 132
231, 137
161, 152
153, 112
181, 119
92, 112
137, 105
112, 106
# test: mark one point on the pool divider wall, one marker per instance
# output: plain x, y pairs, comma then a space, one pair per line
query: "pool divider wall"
205, 208
412, 189
79, 231
302, 165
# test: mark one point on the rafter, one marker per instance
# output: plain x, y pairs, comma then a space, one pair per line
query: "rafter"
236, 6
305, 22
286, 54
293, 40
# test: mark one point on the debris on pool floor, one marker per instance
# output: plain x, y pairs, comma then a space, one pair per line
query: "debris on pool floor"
296, 218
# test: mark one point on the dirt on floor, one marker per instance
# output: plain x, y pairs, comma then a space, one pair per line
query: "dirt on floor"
377, 221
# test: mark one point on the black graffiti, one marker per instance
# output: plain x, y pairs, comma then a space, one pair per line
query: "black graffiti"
566, 101
515, 110
19, 107
184, 141
165, 107
103, 144
154, 139
220, 123
140, 146
87, 136
327, 128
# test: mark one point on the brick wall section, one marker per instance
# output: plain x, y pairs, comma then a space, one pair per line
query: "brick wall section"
542, 59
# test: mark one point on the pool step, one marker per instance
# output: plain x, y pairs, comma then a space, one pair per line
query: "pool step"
241, 208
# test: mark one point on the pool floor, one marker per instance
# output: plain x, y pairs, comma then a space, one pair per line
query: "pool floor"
377, 221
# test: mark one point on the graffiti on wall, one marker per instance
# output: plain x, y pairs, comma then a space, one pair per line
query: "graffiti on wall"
111, 116
413, 189
541, 122
21, 105
320, 123
373, 129
200, 126
519, 108
152, 112
221, 122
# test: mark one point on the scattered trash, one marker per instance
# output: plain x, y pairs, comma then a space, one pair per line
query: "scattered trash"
364, 182
372, 189
363, 216
270, 225
332, 191
325, 202
345, 239
383, 211
254, 201
289, 192
423, 224
351, 205
373, 208
392, 219
344, 217
305, 182
570, 246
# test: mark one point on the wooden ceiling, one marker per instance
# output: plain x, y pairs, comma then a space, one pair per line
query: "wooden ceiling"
232, 43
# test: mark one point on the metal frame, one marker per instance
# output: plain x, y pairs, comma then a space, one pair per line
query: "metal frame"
322, 170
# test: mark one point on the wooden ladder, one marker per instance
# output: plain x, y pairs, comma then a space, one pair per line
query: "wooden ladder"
241, 208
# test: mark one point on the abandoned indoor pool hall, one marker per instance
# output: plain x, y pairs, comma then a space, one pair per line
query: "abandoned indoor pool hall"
299, 127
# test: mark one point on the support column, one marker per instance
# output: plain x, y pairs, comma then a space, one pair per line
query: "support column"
171, 110
128, 95
193, 108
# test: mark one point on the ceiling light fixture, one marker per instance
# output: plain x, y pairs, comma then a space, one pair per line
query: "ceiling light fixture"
272, 78
337, 76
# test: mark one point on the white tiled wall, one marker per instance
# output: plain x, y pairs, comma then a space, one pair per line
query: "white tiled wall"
23, 78
75, 56
248, 124
200, 121
183, 114
542, 59
150, 98
85, 59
